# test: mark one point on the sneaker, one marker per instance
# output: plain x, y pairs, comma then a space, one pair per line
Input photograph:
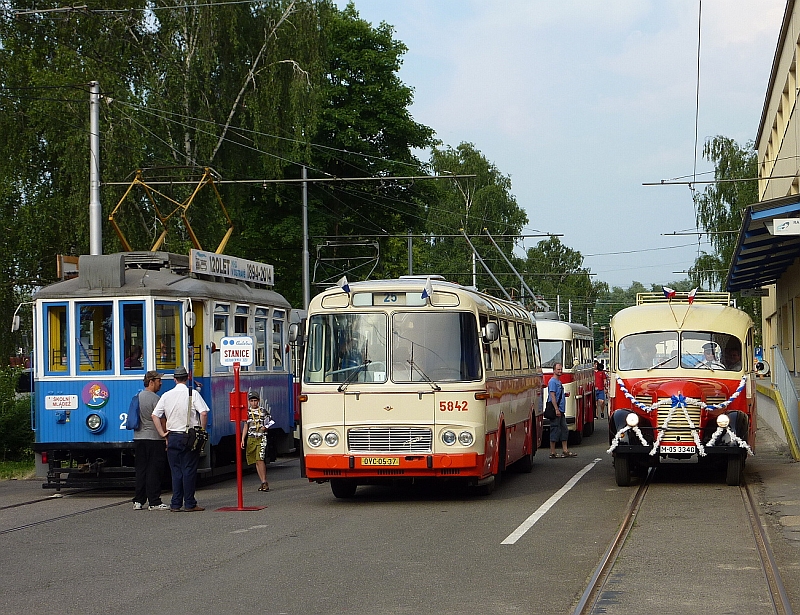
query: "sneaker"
139, 506
161, 506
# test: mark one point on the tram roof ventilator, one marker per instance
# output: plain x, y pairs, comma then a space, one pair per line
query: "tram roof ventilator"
108, 270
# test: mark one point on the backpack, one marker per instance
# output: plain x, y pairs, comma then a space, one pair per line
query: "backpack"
134, 422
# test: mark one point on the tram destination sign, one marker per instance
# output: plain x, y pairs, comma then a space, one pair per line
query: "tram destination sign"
209, 263
236, 350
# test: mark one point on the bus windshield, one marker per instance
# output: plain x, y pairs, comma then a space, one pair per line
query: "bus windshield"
551, 351
697, 349
435, 347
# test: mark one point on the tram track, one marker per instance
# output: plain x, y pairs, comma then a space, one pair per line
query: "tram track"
599, 581
56, 518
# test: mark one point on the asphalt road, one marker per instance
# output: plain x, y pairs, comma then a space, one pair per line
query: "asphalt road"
421, 549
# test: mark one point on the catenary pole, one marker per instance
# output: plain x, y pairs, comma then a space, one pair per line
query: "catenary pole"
95, 208
306, 280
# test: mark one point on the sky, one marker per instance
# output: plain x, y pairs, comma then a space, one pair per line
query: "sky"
581, 102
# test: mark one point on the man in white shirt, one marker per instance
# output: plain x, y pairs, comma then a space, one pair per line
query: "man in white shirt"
181, 417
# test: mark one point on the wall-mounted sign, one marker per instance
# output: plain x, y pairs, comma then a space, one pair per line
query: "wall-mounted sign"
785, 226
209, 263
755, 292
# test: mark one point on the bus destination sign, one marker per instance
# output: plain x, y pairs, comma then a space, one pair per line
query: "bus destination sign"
225, 266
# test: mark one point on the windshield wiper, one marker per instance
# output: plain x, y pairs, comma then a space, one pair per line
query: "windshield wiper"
413, 365
667, 360
356, 371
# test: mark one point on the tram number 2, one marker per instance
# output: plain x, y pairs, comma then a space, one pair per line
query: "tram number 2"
451, 406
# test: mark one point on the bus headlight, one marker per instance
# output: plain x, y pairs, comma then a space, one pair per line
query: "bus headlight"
449, 437
465, 438
723, 420
331, 438
632, 419
314, 440
95, 422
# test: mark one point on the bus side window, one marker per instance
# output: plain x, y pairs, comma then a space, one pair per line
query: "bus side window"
523, 332
513, 345
568, 355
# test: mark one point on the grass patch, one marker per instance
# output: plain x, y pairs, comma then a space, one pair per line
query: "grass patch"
17, 469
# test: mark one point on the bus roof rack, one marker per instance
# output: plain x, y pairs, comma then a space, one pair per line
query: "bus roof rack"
683, 297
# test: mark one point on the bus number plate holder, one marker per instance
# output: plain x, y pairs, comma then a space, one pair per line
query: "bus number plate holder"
380, 461
682, 449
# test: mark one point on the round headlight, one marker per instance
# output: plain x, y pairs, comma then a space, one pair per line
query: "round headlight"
723, 420
449, 437
632, 419
465, 438
94, 422
314, 439
331, 438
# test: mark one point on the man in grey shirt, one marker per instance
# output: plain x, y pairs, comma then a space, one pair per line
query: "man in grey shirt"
150, 449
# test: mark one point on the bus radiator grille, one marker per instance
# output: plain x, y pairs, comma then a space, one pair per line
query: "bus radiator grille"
391, 472
390, 440
678, 428
445, 471
331, 472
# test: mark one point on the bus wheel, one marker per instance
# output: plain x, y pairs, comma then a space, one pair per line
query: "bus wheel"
622, 470
734, 474
588, 429
343, 487
525, 464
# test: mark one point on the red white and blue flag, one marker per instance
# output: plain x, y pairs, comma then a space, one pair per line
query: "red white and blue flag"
343, 284
691, 295
669, 293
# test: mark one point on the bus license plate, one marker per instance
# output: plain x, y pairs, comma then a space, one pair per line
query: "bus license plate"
677, 448
380, 461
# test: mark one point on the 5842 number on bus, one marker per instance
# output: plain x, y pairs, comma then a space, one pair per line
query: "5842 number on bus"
453, 406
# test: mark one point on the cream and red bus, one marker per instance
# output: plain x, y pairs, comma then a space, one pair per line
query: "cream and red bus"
572, 345
414, 378
681, 384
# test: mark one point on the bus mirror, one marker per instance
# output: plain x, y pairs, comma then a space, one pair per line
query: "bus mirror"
15, 323
294, 332
491, 332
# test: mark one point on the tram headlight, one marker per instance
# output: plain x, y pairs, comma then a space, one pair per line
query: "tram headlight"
723, 420
465, 438
314, 440
331, 438
449, 437
95, 422
632, 419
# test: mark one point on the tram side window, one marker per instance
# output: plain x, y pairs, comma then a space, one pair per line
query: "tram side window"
513, 345
168, 336
95, 337
57, 336
221, 315
278, 344
133, 342
261, 321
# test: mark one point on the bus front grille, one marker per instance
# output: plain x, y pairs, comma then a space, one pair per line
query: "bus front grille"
390, 440
678, 429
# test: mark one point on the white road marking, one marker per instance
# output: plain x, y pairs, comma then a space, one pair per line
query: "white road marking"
518, 533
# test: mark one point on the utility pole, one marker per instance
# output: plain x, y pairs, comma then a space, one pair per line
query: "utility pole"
95, 207
306, 280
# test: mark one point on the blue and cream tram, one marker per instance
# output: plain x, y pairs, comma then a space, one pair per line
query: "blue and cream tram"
97, 334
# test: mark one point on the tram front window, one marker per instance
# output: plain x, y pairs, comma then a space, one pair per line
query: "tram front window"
437, 347
95, 335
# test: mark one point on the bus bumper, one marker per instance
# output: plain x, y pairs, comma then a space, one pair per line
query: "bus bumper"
325, 467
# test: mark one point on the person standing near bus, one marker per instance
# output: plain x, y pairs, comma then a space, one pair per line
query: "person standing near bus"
149, 448
600, 382
183, 412
558, 426
255, 435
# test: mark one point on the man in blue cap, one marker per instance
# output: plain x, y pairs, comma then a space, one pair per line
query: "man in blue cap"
183, 412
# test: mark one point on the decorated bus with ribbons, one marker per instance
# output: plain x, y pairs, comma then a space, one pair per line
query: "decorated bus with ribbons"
418, 378
681, 384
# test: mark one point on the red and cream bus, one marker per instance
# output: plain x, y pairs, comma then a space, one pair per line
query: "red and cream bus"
681, 384
572, 345
405, 379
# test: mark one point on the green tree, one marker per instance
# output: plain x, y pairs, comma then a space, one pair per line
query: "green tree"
472, 204
720, 211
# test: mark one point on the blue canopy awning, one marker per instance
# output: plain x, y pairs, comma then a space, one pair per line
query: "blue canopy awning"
761, 258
